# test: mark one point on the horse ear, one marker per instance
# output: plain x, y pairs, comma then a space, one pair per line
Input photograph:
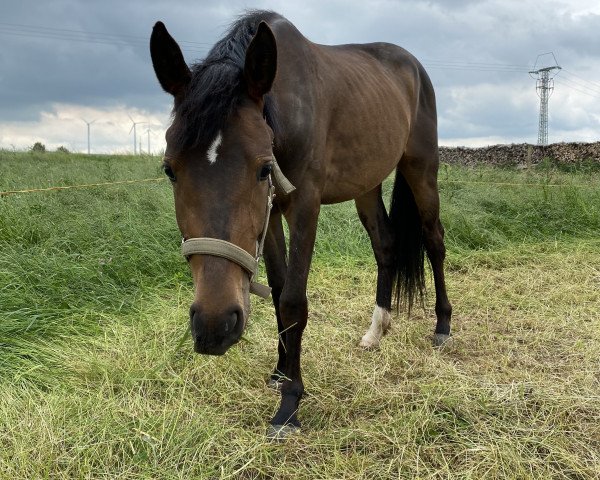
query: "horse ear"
169, 65
261, 62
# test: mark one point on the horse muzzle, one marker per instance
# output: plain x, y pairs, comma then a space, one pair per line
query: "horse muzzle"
214, 334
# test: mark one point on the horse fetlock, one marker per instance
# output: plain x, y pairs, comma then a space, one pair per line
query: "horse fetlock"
380, 324
288, 409
442, 340
280, 433
292, 390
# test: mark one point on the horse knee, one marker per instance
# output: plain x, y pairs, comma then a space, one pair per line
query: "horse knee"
293, 309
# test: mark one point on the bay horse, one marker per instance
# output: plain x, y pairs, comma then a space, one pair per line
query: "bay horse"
270, 118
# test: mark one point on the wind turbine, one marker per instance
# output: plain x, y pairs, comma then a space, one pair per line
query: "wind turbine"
88, 130
148, 131
133, 128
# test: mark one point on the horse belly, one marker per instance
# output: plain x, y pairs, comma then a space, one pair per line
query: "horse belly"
363, 148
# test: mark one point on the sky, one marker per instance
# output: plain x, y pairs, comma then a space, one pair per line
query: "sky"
67, 62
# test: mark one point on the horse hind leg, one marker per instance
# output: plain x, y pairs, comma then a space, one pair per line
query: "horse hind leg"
421, 175
374, 218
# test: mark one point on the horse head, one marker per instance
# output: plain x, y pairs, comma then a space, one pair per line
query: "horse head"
219, 158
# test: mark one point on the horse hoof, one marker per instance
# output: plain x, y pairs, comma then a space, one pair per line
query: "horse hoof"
441, 340
279, 433
368, 342
368, 346
274, 384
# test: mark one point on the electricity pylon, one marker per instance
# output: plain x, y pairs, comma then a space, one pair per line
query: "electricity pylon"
544, 86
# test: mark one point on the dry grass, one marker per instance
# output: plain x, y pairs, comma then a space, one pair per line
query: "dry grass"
516, 396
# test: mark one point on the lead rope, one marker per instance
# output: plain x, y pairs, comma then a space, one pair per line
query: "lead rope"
258, 289
270, 198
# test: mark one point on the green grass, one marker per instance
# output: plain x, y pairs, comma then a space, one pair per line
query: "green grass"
94, 299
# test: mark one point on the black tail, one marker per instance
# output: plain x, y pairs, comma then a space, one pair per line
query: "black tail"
409, 261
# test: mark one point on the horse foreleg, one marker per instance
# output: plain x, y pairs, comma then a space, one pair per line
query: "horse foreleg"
275, 263
293, 308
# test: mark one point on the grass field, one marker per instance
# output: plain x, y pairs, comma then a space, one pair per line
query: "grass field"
93, 304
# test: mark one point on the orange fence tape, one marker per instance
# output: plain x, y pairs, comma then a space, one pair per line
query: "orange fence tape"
86, 185
146, 180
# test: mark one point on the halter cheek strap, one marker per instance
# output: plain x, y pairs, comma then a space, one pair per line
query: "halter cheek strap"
230, 251
280, 180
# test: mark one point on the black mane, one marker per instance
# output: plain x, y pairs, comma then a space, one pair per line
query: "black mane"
217, 84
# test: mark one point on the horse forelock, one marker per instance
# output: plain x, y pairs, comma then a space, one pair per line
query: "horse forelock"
211, 97
217, 86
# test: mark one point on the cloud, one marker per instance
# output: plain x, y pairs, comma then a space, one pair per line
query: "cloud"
485, 109
95, 58
65, 125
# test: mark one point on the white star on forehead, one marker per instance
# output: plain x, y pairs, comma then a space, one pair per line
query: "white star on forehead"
212, 150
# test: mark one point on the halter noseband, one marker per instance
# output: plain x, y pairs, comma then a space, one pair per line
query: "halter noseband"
230, 251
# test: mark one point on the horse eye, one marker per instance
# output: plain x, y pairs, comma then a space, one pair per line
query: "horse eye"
169, 172
265, 171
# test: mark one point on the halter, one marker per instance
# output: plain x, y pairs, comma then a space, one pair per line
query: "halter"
221, 248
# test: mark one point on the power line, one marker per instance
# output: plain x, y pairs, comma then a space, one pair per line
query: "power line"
590, 85
594, 84
562, 81
90, 40
102, 38
120, 35
480, 66
38, 31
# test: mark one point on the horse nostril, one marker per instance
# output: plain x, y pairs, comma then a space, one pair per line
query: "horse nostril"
231, 321
193, 312
195, 321
237, 321
215, 328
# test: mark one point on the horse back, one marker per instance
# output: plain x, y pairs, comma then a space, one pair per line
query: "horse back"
349, 110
